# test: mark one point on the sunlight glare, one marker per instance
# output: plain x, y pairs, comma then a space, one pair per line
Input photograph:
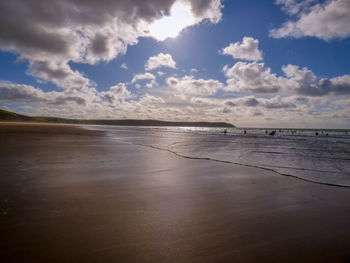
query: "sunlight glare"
170, 26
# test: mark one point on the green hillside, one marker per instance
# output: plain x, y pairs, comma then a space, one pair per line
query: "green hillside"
11, 116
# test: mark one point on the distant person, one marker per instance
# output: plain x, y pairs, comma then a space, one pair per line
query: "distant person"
245, 132
266, 132
225, 131
272, 133
316, 133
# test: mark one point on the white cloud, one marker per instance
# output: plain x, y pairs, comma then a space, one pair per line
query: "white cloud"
152, 84
306, 83
21, 93
161, 60
247, 50
256, 78
52, 34
204, 101
327, 20
58, 73
293, 7
276, 103
189, 86
252, 77
117, 94
11, 92
149, 99
146, 75
124, 66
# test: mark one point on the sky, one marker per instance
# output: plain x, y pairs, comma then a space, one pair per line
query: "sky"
252, 63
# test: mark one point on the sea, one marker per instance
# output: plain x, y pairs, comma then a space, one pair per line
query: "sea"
320, 156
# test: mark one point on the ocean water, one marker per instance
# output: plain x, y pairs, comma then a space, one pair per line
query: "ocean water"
323, 159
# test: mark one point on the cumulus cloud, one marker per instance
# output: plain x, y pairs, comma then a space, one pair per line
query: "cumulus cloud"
204, 101
252, 77
256, 78
161, 60
20, 93
11, 92
152, 84
117, 94
58, 73
293, 7
189, 86
146, 75
52, 34
276, 102
247, 50
306, 83
327, 20
149, 99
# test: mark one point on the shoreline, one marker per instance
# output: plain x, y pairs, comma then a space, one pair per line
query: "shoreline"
246, 165
74, 194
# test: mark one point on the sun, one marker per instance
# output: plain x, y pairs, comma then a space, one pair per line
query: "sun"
170, 26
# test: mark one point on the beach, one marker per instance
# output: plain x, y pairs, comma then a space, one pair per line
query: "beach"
71, 194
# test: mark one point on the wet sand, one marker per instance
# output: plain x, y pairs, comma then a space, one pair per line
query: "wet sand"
72, 195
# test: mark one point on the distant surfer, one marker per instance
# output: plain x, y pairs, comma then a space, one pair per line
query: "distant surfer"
272, 133
316, 133
266, 132
245, 132
225, 131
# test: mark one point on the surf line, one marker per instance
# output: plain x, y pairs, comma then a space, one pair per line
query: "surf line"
241, 164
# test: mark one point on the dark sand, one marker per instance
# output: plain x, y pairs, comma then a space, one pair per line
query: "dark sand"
70, 195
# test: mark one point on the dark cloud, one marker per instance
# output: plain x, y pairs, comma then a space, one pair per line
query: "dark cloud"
20, 93
279, 105
230, 104
64, 99
117, 94
250, 102
10, 92
99, 45
258, 113
325, 87
60, 74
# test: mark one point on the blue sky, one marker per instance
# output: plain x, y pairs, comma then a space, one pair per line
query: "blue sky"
251, 63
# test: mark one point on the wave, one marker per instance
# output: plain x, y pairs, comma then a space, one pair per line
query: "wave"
248, 165
318, 159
